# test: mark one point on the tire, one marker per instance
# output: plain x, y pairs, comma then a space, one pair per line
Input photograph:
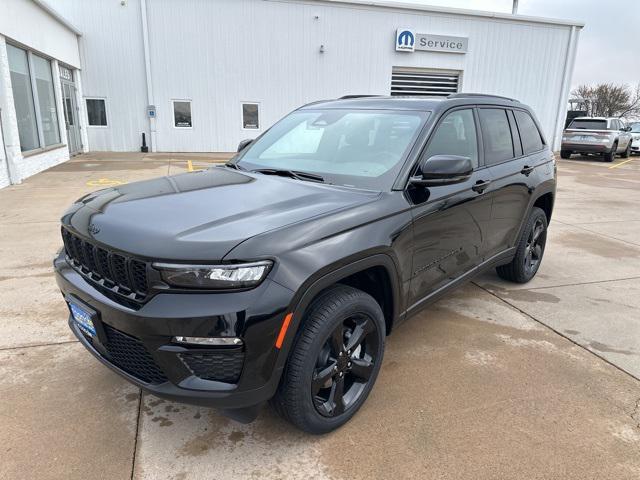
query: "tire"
316, 371
529, 252
627, 151
566, 154
610, 156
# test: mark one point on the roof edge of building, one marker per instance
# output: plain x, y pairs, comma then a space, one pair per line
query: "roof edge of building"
450, 10
55, 14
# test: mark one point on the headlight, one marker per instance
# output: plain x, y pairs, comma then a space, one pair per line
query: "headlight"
241, 275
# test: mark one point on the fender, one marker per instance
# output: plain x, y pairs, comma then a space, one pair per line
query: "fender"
543, 189
313, 286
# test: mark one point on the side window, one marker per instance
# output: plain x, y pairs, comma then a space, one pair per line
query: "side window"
456, 135
529, 133
613, 125
496, 135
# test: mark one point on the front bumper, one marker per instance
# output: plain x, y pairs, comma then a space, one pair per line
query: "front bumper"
137, 345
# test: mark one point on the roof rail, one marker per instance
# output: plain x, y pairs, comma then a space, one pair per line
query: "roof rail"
480, 95
346, 97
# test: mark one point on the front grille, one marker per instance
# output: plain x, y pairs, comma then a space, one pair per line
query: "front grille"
117, 273
220, 366
129, 354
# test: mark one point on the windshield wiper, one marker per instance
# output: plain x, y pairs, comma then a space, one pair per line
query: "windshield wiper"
291, 174
235, 166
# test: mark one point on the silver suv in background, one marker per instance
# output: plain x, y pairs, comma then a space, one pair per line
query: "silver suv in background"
597, 135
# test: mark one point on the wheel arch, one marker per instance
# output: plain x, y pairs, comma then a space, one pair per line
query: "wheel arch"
349, 273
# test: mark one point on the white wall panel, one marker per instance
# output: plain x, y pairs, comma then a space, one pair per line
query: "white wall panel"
112, 68
218, 53
25, 22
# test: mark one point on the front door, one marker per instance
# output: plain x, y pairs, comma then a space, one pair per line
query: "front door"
450, 222
70, 107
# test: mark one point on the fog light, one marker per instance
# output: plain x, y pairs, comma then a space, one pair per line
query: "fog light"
214, 341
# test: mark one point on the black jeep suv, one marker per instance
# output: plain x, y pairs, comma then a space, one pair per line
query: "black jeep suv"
278, 275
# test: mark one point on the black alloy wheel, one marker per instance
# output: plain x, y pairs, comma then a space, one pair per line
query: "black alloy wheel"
535, 247
529, 250
334, 360
344, 365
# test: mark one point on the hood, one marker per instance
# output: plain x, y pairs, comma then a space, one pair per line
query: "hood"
200, 216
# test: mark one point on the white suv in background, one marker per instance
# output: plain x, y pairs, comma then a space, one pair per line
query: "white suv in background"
599, 135
635, 134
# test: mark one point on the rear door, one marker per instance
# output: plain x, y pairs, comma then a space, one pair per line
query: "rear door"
513, 149
450, 221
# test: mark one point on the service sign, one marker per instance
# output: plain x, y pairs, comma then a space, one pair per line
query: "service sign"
409, 41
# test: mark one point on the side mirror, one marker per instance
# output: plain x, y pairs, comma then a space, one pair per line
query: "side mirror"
443, 170
626, 129
244, 144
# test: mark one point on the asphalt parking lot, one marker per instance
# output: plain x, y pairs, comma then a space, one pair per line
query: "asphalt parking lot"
494, 381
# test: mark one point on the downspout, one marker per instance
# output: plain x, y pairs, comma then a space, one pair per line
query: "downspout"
564, 91
147, 69
12, 176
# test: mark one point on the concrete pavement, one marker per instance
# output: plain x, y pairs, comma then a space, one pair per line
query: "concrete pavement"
494, 381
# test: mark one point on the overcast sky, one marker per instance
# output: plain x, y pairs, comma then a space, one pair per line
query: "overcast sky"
609, 45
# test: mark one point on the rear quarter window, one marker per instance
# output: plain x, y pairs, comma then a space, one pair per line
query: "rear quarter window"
588, 124
529, 133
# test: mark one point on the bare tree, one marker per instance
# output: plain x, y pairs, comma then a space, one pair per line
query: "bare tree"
609, 100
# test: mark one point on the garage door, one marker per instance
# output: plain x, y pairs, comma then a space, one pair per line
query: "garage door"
428, 83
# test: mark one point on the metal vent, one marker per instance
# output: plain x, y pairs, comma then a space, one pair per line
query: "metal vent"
425, 83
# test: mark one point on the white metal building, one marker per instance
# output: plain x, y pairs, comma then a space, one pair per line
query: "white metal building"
202, 75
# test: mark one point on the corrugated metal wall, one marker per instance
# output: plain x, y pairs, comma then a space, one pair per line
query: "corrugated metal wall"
218, 53
112, 68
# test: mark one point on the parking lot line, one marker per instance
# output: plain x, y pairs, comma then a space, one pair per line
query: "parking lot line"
621, 163
189, 165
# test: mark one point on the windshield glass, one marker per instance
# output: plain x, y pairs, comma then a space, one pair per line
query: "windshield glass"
589, 124
635, 127
359, 148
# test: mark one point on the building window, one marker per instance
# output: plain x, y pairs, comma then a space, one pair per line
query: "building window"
32, 85
97, 112
251, 116
46, 100
182, 114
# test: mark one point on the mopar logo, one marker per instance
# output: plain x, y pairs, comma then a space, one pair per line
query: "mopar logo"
405, 40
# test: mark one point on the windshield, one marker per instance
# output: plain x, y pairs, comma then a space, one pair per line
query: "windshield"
635, 127
589, 124
359, 148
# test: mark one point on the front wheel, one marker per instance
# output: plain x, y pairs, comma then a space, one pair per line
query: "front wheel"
334, 362
530, 249
627, 151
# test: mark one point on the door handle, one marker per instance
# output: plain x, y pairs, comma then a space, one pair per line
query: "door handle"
526, 170
481, 186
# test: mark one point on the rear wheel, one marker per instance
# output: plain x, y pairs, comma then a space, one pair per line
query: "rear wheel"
627, 151
610, 156
565, 154
530, 250
334, 362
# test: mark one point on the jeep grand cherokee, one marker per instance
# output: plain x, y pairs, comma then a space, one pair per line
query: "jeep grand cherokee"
278, 275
